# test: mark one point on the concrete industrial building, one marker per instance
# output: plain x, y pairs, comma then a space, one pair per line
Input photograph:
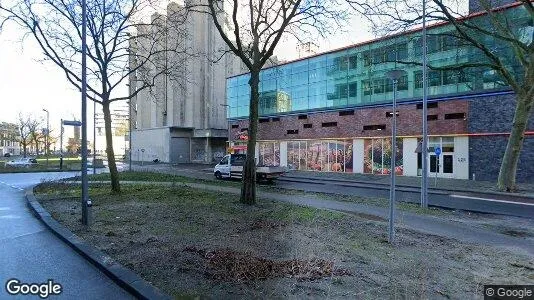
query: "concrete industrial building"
183, 118
337, 115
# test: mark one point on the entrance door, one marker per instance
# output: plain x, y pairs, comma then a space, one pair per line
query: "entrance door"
443, 165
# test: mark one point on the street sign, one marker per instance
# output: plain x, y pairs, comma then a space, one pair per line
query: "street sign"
72, 123
437, 151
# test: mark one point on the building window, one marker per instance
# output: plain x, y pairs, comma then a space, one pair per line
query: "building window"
389, 114
235, 126
378, 85
434, 78
375, 127
308, 125
329, 124
303, 117
432, 117
263, 120
455, 116
293, 131
428, 105
418, 80
275, 119
366, 56
353, 61
353, 87
366, 87
346, 113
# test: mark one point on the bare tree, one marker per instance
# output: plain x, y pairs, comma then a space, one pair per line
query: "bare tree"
501, 40
24, 134
113, 27
252, 30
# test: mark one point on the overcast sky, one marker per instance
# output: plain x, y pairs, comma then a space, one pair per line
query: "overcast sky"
27, 84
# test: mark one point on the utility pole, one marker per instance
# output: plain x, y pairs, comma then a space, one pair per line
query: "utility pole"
94, 136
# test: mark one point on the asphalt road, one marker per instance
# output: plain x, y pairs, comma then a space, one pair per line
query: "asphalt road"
31, 253
470, 201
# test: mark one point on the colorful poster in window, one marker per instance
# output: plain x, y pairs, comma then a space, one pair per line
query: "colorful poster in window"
269, 154
320, 155
377, 156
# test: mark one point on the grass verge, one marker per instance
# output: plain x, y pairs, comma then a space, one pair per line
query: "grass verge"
190, 242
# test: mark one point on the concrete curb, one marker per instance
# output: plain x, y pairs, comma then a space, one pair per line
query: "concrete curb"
122, 276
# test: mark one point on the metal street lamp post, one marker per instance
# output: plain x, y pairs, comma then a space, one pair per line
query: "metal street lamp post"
86, 203
394, 75
47, 136
94, 136
424, 144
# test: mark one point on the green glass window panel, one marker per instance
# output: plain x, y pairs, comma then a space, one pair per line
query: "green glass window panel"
402, 84
366, 87
318, 88
378, 85
317, 75
366, 57
353, 61
353, 89
402, 51
434, 78
299, 78
418, 79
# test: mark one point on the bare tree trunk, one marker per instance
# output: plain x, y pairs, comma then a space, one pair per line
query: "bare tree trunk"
248, 190
508, 171
114, 174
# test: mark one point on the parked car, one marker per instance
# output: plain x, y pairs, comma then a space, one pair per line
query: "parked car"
7, 154
24, 162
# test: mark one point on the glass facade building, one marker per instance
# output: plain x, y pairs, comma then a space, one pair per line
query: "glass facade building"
355, 76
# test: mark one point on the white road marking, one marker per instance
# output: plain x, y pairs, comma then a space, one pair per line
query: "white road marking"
492, 200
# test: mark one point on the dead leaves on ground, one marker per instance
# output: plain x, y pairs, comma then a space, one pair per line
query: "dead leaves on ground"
226, 264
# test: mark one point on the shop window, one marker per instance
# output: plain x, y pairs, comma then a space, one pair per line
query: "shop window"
374, 127
308, 125
455, 116
346, 113
292, 131
303, 117
432, 117
329, 124
235, 126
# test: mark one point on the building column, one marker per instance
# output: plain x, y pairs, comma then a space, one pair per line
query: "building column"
409, 157
283, 154
357, 155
